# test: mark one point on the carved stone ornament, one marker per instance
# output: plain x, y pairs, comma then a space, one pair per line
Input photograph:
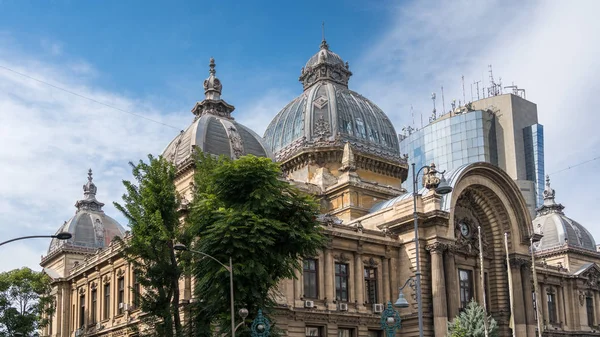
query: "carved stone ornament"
341, 257
329, 220
120, 272
581, 297
519, 262
371, 262
359, 227
94, 285
592, 276
322, 129
81, 290
430, 179
106, 279
237, 146
467, 238
437, 247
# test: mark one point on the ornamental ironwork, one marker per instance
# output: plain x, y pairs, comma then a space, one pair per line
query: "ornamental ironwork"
261, 327
390, 320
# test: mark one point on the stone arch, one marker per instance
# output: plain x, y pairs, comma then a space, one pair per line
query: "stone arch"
496, 203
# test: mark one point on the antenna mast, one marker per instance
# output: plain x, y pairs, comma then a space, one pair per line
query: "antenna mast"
434, 114
443, 102
463, 85
477, 84
323, 31
412, 113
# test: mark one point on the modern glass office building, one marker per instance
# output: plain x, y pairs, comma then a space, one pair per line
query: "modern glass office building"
502, 130
453, 141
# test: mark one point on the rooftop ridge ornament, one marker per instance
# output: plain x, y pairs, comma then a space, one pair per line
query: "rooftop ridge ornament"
212, 85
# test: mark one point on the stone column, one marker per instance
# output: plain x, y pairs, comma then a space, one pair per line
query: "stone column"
385, 284
393, 278
438, 290
528, 294
560, 310
518, 296
328, 274
544, 302
451, 275
358, 280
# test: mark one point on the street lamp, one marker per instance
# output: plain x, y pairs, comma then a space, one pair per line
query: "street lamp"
390, 320
441, 187
181, 246
60, 236
261, 327
401, 302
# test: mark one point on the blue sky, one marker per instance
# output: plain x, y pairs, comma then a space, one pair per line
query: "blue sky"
151, 57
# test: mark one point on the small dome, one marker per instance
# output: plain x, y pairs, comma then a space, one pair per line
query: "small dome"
557, 229
328, 114
90, 227
214, 131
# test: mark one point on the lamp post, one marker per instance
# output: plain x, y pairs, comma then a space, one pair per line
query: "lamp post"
60, 236
390, 320
180, 246
441, 187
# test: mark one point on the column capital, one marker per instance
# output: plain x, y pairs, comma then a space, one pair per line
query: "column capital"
437, 247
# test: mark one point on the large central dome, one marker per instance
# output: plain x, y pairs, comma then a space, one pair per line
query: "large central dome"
329, 114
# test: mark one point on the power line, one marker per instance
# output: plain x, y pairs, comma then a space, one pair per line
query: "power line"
573, 166
88, 98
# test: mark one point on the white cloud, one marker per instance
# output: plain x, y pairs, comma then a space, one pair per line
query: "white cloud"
50, 138
258, 113
550, 48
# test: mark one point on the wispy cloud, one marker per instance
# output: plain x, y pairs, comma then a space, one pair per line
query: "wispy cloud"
51, 137
550, 48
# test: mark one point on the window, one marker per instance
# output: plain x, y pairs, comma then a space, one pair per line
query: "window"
136, 290
465, 279
121, 294
313, 331
552, 306
81, 310
345, 332
589, 305
487, 292
370, 285
94, 307
310, 275
374, 333
106, 308
341, 282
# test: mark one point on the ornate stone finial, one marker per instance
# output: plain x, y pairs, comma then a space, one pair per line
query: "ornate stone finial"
549, 192
89, 201
549, 205
212, 85
348, 162
89, 189
430, 179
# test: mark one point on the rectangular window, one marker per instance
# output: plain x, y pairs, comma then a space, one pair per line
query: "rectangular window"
341, 282
487, 292
465, 279
81, 310
345, 332
310, 275
121, 294
552, 306
374, 333
589, 305
93, 309
136, 290
106, 308
313, 331
370, 285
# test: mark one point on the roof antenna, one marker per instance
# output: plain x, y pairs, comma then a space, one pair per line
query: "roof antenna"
443, 102
463, 85
323, 31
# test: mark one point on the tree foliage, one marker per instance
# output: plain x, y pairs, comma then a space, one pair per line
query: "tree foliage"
25, 301
243, 210
469, 323
151, 206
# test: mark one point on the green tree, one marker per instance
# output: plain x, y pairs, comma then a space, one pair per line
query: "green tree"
151, 206
25, 301
243, 209
469, 323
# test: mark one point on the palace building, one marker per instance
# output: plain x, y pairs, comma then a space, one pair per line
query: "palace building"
339, 146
